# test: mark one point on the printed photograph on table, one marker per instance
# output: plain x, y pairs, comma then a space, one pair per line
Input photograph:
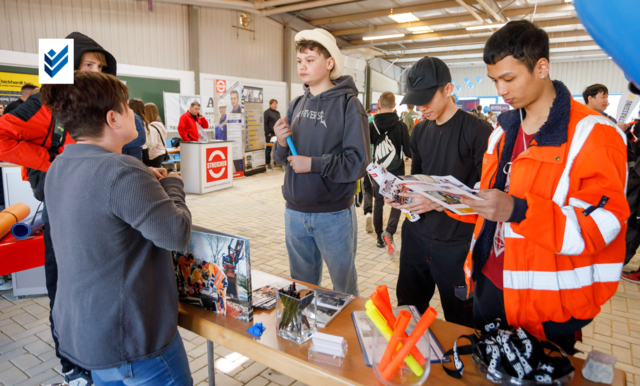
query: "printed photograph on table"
214, 272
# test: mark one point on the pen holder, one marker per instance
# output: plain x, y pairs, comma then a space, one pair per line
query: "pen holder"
296, 318
405, 375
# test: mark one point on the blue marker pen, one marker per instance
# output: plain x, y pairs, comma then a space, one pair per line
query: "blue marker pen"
291, 147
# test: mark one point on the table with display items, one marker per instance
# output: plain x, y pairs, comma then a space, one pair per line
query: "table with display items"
292, 359
206, 166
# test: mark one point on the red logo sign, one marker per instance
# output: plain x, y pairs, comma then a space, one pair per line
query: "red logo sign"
216, 164
221, 86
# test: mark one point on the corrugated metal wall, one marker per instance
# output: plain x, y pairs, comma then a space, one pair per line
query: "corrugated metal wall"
575, 75
381, 83
293, 66
225, 50
125, 28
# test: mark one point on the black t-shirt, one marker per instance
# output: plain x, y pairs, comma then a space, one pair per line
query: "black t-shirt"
455, 148
13, 105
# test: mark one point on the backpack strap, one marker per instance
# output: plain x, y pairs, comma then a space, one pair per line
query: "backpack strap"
160, 134
57, 139
376, 126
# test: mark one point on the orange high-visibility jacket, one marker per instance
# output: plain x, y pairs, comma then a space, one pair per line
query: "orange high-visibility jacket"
560, 260
217, 275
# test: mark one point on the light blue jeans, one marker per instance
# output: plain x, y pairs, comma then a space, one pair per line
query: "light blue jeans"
171, 368
332, 237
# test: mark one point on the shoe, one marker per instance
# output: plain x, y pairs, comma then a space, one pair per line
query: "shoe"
269, 167
78, 377
369, 223
388, 240
632, 277
6, 283
380, 243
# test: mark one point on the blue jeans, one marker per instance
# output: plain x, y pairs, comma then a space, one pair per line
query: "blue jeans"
169, 369
332, 237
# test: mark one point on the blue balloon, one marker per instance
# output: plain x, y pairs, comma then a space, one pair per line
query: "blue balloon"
466, 80
458, 88
453, 81
470, 84
602, 20
455, 96
479, 78
485, 109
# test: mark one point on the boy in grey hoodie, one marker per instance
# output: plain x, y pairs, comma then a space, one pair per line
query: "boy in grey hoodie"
329, 129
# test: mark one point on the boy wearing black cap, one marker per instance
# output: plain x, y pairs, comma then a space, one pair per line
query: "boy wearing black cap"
448, 142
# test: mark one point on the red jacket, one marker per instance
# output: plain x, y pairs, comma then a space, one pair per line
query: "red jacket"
25, 135
187, 127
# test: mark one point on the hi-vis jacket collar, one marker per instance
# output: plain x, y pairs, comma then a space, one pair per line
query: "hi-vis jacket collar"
554, 131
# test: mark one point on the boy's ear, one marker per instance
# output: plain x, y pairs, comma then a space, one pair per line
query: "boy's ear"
331, 63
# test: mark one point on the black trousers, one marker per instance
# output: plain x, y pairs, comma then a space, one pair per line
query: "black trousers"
51, 277
423, 265
489, 305
378, 208
267, 150
367, 189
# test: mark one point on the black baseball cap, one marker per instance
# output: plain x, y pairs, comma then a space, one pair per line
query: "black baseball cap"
424, 79
633, 88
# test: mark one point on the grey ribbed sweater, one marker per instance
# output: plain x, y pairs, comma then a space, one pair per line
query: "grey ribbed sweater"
113, 225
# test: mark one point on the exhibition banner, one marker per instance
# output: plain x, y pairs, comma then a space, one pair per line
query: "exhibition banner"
627, 104
11, 83
175, 105
230, 120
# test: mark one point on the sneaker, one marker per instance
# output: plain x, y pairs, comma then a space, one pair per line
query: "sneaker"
380, 243
78, 377
388, 240
269, 167
632, 277
6, 283
369, 223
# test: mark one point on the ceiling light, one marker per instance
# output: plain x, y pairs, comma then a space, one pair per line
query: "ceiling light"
404, 17
376, 37
568, 1
485, 26
420, 30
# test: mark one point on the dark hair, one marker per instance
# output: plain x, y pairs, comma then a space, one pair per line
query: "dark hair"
234, 92
312, 45
28, 86
369, 111
82, 107
137, 105
521, 39
594, 90
195, 103
271, 102
479, 107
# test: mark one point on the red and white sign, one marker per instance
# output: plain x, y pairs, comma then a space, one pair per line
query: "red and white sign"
217, 162
221, 86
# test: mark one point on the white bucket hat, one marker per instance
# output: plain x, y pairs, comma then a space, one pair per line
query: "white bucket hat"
328, 41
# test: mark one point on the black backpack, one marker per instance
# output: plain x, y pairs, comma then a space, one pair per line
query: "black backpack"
37, 177
384, 151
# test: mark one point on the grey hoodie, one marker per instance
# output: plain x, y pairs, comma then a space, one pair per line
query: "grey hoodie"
331, 128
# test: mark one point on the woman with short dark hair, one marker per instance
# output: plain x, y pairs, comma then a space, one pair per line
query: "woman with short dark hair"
114, 222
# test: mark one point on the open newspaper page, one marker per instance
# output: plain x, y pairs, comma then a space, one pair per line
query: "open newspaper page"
446, 191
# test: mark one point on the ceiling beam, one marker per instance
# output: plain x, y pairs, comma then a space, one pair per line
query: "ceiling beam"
463, 31
305, 5
467, 41
493, 9
384, 12
556, 55
518, 12
480, 62
449, 52
471, 10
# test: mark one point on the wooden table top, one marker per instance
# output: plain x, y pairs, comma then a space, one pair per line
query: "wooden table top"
292, 360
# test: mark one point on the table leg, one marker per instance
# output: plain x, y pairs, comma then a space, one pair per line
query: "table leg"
212, 371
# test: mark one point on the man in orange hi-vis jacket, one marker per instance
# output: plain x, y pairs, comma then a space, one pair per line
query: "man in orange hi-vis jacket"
218, 280
549, 238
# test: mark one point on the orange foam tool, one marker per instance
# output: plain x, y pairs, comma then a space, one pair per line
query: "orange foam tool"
404, 317
423, 324
384, 293
387, 313
12, 215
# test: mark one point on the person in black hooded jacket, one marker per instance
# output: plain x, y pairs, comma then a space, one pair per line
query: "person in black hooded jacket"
32, 116
391, 143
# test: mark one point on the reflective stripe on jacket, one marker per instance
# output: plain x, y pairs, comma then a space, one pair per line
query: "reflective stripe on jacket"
564, 259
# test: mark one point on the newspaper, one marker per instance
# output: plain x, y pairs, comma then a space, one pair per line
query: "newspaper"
444, 190
266, 284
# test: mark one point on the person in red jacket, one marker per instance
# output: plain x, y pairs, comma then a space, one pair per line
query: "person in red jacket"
29, 137
187, 127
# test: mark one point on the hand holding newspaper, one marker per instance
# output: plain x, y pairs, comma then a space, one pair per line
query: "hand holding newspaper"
446, 191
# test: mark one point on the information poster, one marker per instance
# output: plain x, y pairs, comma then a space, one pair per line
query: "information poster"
175, 105
255, 130
230, 120
11, 85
